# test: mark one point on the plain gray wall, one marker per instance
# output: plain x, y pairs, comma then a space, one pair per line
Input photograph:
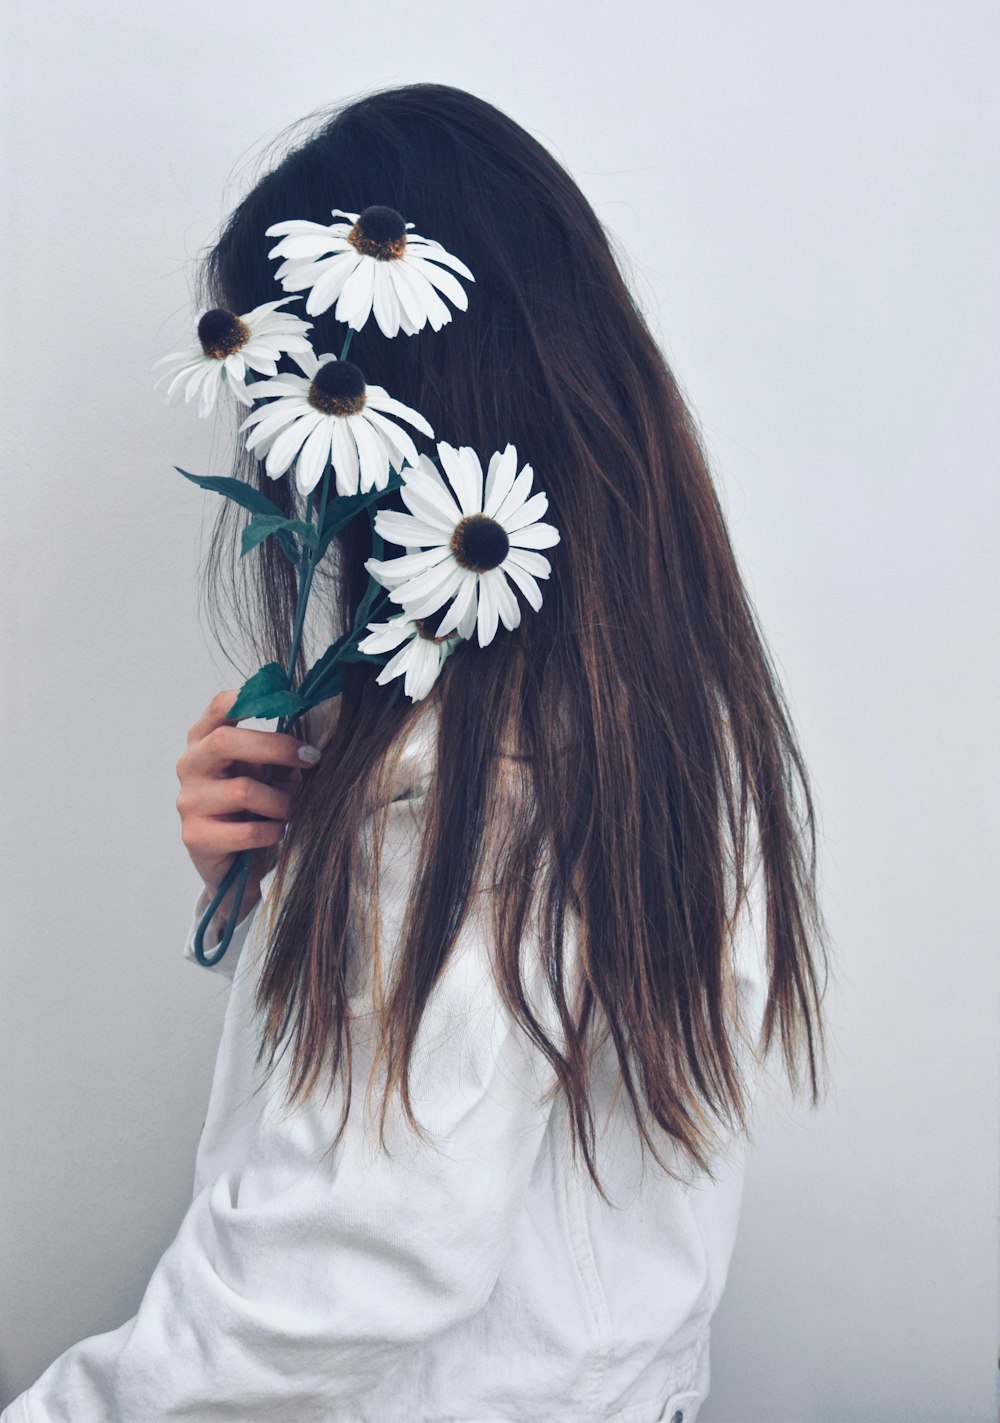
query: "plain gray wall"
807, 197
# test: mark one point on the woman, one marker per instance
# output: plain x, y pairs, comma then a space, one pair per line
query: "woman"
547, 918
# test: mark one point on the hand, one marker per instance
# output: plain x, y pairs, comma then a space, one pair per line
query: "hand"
222, 795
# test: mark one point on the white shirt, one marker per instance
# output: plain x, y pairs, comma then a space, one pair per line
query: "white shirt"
483, 1282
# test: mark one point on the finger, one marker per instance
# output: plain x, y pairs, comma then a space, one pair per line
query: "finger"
227, 744
287, 777
205, 835
215, 714
231, 795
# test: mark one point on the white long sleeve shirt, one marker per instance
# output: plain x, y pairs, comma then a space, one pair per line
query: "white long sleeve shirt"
478, 1280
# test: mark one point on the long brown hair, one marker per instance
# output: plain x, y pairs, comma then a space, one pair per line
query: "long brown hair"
655, 761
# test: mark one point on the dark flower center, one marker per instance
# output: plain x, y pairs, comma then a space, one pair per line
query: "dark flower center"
222, 333
479, 542
379, 232
426, 626
338, 388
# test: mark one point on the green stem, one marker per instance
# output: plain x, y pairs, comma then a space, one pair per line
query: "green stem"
347, 343
239, 870
305, 583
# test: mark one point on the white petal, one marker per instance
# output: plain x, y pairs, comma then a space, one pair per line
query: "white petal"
405, 529
276, 335
303, 244
518, 493
309, 363
377, 397
330, 282
441, 279
427, 481
286, 407
507, 604
472, 464
281, 385
462, 476
530, 561
270, 317
433, 309
463, 606
524, 581
266, 428
385, 303
289, 442
293, 276
345, 459
425, 594
294, 227
260, 360
372, 453
535, 536
192, 353
383, 637
411, 307
381, 569
396, 665
199, 374
448, 455
237, 388
426, 665
499, 478
209, 390
312, 459
427, 512
408, 565
401, 447
355, 301
178, 379
432, 250
486, 622
531, 510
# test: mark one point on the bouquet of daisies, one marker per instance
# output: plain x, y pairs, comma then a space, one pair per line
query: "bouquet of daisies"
469, 540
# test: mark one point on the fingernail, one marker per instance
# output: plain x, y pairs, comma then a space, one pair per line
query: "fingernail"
310, 754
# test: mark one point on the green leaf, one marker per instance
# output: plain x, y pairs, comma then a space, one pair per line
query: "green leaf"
266, 694
236, 489
345, 507
288, 704
262, 526
325, 677
288, 547
330, 686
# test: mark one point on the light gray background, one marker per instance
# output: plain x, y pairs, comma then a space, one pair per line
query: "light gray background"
808, 203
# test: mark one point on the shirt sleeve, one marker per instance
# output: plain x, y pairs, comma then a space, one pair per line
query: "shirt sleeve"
751, 975
297, 1281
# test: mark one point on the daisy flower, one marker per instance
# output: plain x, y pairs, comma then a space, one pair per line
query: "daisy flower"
420, 655
470, 546
329, 413
228, 346
370, 261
